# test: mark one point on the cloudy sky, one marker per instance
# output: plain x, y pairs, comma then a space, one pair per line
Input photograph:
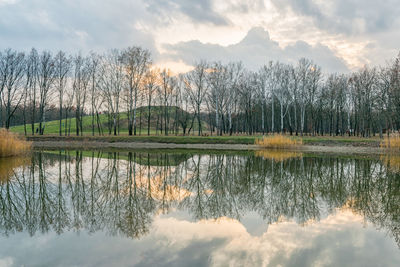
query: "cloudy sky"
339, 35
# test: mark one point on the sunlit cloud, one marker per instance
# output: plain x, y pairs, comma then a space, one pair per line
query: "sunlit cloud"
355, 32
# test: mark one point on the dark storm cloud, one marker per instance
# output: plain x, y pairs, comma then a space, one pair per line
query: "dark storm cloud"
256, 49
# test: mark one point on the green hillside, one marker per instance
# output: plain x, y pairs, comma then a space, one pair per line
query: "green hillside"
52, 127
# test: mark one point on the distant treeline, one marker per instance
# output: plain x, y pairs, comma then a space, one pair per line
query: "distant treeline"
214, 97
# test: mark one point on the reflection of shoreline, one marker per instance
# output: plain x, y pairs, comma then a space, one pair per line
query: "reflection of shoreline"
392, 162
278, 155
8, 165
131, 146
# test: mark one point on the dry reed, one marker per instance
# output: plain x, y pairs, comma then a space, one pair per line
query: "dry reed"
12, 145
278, 141
392, 143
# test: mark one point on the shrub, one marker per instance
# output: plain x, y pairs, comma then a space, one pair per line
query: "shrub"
12, 145
278, 141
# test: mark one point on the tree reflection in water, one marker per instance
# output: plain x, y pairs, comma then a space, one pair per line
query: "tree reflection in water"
120, 193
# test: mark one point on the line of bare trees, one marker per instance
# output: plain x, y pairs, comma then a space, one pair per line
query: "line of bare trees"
124, 87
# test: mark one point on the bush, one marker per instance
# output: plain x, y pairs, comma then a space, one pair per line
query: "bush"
12, 145
278, 141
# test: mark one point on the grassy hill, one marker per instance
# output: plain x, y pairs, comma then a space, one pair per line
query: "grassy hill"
52, 127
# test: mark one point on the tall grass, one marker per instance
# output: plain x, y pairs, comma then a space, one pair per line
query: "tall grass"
392, 143
12, 145
278, 141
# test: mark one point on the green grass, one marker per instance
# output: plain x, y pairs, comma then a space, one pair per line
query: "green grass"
152, 139
52, 127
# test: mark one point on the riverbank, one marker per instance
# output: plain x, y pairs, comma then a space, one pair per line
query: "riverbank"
237, 139
330, 145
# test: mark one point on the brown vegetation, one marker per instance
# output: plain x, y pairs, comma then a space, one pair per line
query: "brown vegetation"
278, 141
12, 145
392, 143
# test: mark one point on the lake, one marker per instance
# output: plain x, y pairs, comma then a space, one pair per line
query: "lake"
193, 208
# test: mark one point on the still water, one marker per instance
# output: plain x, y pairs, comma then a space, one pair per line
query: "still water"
84, 208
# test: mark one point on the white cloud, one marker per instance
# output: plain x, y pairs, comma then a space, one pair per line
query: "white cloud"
7, 2
256, 49
7, 261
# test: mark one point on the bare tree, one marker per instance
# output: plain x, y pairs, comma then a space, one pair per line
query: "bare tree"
315, 78
63, 66
68, 103
281, 76
235, 71
303, 70
184, 115
196, 87
12, 68
166, 89
151, 86
136, 63
247, 89
93, 66
218, 79
80, 87
395, 90
46, 74
111, 83
265, 91
363, 84
32, 66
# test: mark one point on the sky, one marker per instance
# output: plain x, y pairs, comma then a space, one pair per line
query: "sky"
338, 35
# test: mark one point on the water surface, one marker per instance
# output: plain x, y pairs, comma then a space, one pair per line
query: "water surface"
80, 208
